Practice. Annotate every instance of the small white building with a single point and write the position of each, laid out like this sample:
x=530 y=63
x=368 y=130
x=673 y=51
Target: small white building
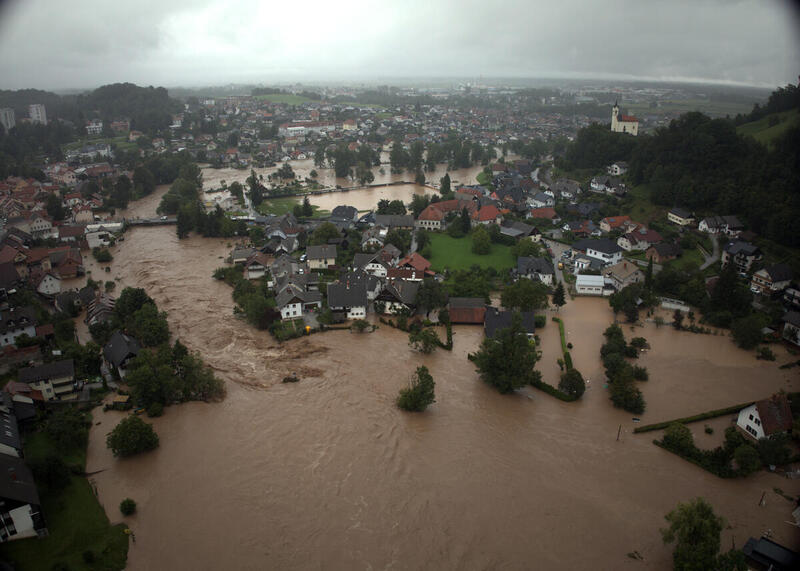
x=766 y=417
x=591 y=285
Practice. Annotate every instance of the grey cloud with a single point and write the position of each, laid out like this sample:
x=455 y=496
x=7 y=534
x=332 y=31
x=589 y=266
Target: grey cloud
x=88 y=42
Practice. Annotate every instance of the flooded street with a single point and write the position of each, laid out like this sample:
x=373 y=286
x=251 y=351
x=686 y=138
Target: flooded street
x=327 y=473
x=363 y=199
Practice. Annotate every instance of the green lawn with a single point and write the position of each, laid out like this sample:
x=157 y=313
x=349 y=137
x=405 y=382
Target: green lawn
x=637 y=205
x=120 y=141
x=284 y=98
x=762 y=132
x=456 y=254
x=76 y=523
x=687 y=260
x=284 y=205
x=712 y=108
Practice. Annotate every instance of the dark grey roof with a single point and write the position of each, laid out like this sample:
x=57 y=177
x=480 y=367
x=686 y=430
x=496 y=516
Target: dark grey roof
x=495 y=320
x=771 y=555
x=526 y=265
x=343 y=212
x=54 y=370
x=683 y=213
x=292 y=291
x=16 y=481
x=602 y=245
x=15 y=319
x=394 y=220
x=404 y=291
x=779 y=272
x=119 y=348
x=8 y=275
x=360 y=260
x=347 y=295
x=321 y=252
x=792 y=317
x=739 y=247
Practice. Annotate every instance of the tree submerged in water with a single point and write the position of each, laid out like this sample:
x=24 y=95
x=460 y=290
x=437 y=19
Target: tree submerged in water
x=419 y=393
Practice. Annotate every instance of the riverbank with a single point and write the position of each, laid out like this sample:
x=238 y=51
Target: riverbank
x=328 y=473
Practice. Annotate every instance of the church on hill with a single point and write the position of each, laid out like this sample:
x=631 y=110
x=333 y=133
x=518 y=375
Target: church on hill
x=623 y=123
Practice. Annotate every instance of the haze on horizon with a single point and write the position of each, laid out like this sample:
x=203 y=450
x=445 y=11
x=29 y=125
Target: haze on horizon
x=51 y=44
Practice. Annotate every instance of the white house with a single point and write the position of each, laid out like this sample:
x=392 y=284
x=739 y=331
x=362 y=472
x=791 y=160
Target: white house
x=591 y=285
x=536 y=269
x=350 y=298
x=20 y=510
x=604 y=250
x=48 y=284
x=16 y=322
x=55 y=380
x=320 y=257
x=766 y=417
x=256 y=267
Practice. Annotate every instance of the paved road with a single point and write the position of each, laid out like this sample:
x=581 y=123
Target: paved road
x=558 y=249
x=714 y=256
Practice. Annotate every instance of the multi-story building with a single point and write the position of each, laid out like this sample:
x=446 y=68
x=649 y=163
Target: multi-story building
x=7 y=118
x=37 y=114
x=94 y=127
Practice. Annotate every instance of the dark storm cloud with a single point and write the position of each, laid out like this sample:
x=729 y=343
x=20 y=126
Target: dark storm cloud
x=90 y=42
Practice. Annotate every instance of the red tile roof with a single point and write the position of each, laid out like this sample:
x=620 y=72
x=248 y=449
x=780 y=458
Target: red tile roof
x=548 y=213
x=775 y=414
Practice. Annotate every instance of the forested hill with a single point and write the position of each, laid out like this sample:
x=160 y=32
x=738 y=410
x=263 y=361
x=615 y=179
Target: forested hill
x=148 y=108
x=704 y=165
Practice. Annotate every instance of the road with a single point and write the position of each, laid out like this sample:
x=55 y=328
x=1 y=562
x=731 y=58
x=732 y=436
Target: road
x=558 y=249
x=714 y=256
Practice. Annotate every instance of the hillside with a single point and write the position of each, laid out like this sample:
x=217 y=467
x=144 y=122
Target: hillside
x=768 y=128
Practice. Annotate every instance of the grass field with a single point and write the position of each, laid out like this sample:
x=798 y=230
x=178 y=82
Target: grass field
x=713 y=108
x=120 y=142
x=75 y=520
x=762 y=132
x=456 y=254
x=287 y=98
x=689 y=259
x=637 y=205
x=278 y=206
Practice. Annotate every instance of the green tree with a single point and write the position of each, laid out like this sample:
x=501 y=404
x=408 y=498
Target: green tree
x=481 y=242
x=237 y=190
x=572 y=383
x=68 y=428
x=524 y=295
x=324 y=232
x=695 y=529
x=444 y=184
x=648 y=276
x=424 y=340
x=747 y=459
x=774 y=450
x=151 y=377
x=746 y=331
x=132 y=436
x=419 y=393
x=507 y=361
x=148 y=325
x=679 y=438
x=559 y=298
x=398 y=157
x=54 y=207
x=127 y=507
x=308 y=211
x=465 y=221
x=430 y=295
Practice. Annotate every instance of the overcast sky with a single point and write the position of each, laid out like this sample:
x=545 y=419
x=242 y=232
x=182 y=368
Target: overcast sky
x=86 y=43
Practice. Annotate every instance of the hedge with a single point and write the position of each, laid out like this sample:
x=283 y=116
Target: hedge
x=708 y=467
x=552 y=391
x=563 y=335
x=695 y=418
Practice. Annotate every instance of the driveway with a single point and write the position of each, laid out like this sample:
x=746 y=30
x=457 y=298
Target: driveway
x=558 y=249
x=714 y=256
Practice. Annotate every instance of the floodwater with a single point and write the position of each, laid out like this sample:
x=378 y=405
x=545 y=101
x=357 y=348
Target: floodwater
x=363 y=199
x=327 y=473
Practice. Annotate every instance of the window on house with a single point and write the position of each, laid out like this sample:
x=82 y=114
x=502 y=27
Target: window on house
x=758 y=422
x=751 y=417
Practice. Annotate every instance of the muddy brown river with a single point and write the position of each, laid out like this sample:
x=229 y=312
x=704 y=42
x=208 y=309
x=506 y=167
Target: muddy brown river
x=363 y=199
x=328 y=474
